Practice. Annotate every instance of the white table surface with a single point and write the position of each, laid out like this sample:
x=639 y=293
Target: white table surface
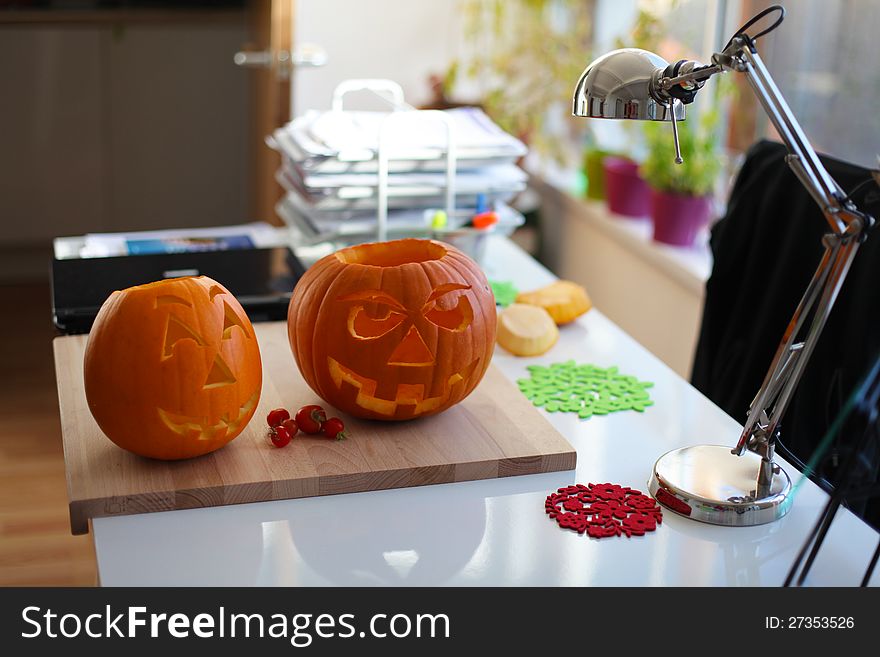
x=495 y=532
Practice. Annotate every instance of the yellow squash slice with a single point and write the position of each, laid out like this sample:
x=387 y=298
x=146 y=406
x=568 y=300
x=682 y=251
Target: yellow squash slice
x=526 y=330
x=564 y=300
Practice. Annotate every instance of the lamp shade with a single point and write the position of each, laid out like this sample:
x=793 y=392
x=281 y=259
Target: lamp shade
x=618 y=86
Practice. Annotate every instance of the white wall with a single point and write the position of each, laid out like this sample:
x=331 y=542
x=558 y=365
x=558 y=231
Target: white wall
x=403 y=40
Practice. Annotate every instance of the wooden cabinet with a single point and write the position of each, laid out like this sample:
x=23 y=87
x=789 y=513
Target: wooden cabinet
x=123 y=124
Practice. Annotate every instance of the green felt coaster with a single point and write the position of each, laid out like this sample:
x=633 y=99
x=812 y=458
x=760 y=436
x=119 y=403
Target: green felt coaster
x=584 y=389
x=505 y=292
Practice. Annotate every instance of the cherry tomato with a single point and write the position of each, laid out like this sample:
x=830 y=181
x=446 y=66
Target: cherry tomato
x=279 y=435
x=310 y=418
x=334 y=428
x=290 y=425
x=277 y=416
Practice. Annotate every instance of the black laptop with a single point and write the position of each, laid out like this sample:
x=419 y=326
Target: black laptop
x=261 y=279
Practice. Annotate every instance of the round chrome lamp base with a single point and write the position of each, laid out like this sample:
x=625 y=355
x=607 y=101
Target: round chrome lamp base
x=709 y=484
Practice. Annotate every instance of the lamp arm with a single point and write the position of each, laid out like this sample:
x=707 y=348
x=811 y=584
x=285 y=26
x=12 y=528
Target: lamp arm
x=771 y=401
x=697 y=74
x=802 y=158
x=848 y=228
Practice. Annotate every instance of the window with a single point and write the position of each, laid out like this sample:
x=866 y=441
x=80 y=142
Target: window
x=823 y=58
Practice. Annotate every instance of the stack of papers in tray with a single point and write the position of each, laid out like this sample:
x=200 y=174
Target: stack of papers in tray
x=315 y=226
x=330 y=171
x=420 y=189
x=338 y=142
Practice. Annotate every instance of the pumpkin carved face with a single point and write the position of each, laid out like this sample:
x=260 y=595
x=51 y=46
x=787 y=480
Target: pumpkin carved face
x=172 y=369
x=393 y=330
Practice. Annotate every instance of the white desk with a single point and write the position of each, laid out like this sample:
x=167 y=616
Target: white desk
x=495 y=532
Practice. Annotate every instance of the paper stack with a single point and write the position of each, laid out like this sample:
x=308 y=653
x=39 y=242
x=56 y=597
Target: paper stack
x=330 y=171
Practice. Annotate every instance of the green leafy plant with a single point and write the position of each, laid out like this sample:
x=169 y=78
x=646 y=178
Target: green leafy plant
x=699 y=141
x=647 y=31
x=526 y=56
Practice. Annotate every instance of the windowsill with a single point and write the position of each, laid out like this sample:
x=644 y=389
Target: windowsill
x=690 y=266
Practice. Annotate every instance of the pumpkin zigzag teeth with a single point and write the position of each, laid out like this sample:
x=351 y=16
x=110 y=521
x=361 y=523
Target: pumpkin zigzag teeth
x=189 y=425
x=407 y=394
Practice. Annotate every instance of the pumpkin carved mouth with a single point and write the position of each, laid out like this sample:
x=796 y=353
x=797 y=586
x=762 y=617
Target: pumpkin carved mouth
x=408 y=394
x=197 y=428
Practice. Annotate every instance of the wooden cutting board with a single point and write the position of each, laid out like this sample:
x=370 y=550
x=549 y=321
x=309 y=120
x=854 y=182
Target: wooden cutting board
x=495 y=432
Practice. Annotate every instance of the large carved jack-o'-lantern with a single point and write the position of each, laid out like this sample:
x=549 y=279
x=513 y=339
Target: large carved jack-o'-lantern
x=393 y=330
x=172 y=369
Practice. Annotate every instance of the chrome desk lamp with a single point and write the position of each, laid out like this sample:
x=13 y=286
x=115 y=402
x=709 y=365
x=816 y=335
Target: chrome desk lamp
x=712 y=483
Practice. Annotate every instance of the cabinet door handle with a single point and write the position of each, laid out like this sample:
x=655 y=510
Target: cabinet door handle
x=308 y=55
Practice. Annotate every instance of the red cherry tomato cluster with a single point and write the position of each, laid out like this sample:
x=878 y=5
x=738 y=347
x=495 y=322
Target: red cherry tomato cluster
x=309 y=419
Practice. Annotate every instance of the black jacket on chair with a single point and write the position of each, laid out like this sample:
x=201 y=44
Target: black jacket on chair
x=766 y=249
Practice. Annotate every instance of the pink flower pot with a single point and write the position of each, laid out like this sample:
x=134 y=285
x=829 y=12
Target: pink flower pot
x=627 y=193
x=677 y=218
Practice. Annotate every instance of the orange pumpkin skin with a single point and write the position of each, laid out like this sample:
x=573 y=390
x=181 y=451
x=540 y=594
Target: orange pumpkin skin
x=172 y=369
x=393 y=330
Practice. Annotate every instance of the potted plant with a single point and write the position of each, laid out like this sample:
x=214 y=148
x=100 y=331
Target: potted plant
x=625 y=189
x=681 y=194
x=594 y=172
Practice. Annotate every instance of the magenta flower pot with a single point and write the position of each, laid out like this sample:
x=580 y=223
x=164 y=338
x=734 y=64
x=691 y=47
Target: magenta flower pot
x=627 y=193
x=677 y=218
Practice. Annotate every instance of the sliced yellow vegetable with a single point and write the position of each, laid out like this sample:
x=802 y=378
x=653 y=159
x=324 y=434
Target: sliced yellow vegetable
x=526 y=330
x=564 y=300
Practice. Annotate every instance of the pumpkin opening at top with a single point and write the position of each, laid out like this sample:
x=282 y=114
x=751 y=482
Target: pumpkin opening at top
x=393 y=330
x=392 y=254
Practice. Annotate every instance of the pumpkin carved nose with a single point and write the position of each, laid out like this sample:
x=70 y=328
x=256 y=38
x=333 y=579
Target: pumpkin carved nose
x=412 y=351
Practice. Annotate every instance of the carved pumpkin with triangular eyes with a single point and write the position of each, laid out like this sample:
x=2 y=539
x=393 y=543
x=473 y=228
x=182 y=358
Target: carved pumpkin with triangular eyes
x=393 y=330
x=172 y=369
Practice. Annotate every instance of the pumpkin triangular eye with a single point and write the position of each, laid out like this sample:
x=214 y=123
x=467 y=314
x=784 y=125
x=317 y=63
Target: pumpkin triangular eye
x=220 y=374
x=230 y=320
x=177 y=330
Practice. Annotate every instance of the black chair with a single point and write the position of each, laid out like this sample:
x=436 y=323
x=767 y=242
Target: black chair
x=766 y=249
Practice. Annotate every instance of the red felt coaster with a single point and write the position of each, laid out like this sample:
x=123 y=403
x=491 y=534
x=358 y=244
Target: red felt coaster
x=603 y=510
